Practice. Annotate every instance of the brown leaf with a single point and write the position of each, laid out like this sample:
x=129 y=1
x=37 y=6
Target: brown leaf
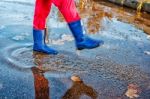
x=75 y=79
x=133 y=91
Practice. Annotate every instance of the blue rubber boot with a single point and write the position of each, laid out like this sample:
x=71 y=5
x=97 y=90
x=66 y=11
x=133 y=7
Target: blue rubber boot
x=39 y=43
x=82 y=41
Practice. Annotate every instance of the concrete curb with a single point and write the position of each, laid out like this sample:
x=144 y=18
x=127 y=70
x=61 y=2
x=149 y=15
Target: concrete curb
x=135 y=4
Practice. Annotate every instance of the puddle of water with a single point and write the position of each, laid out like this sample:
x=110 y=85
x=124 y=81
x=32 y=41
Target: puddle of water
x=100 y=70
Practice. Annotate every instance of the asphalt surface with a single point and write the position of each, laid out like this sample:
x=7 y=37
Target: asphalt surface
x=106 y=72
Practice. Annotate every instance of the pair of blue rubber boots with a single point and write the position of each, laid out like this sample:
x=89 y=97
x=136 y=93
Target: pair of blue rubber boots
x=82 y=41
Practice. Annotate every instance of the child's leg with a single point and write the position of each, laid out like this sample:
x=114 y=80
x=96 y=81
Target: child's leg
x=42 y=9
x=69 y=11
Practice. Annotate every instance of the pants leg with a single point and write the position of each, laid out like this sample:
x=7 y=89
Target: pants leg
x=68 y=9
x=42 y=9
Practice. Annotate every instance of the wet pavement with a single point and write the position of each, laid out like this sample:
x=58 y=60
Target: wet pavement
x=117 y=70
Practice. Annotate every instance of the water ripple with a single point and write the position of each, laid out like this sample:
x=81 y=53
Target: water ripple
x=22 y=58
x=12 y=55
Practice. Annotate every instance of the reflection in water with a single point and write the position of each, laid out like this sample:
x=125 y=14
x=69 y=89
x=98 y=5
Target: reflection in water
x=94 y=21
x=78 y=89
x=46 y=35
x=39 y=59
x=82 y=4
x=94 y=12
x=141 y=3
x=122 y=2
x=40 y=82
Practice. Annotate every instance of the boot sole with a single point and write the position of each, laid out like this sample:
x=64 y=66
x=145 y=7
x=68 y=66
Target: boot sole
x=45 y=52
x=81 y=48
